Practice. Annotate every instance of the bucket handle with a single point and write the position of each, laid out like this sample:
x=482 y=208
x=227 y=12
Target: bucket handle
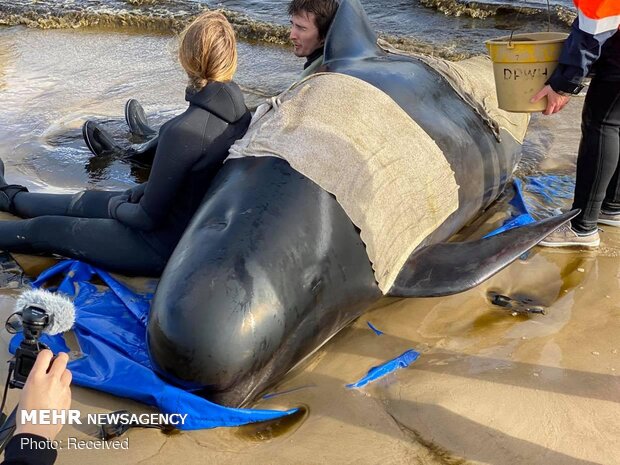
x=510 y=44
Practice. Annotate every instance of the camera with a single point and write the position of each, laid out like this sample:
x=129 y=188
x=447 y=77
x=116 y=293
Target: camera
x=37 y=311
x=34 y=320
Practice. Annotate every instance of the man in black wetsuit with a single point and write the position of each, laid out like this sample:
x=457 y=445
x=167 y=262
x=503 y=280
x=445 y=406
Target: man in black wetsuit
x=310 y=21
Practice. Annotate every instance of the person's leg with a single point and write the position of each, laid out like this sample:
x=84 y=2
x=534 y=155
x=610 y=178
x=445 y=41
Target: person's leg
x=136 y=119
x=101 y=144
x=85 y=204
x=610 y=211
x=611 y=204
x=8 y=191
x=17 y=200
x=106 y=243
x=597 y=162
x=599 y=152
x=143 y=153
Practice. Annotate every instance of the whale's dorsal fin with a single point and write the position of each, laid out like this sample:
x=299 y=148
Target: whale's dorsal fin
x=351 y=35
x=451 y=267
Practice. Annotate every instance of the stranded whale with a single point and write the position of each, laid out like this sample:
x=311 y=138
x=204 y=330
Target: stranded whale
x=284 y=253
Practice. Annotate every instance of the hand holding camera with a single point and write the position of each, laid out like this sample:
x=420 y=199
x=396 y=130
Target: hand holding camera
x=47 y=387
x=45 y=380
x=37 y=312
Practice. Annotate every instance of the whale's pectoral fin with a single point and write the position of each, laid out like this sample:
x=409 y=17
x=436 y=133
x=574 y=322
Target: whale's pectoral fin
x=452 y=267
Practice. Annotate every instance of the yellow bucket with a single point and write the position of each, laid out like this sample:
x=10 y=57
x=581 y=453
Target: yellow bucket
x=521 y=67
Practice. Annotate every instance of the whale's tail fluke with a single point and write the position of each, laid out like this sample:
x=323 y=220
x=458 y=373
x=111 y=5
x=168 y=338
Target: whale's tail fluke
x=452 y=267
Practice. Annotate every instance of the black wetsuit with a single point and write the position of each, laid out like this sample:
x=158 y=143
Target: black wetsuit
x=318 y=53
x=20 y=451
x=135 y=231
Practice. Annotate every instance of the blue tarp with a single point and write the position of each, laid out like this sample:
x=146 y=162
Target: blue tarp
x=110 y=327
x=520 y=214
x=549 y=189
x=536 y=197
x=375 y=330
x=402 y=361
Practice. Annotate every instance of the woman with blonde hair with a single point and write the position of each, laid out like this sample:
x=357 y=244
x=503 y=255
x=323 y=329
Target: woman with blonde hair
x=135 y=231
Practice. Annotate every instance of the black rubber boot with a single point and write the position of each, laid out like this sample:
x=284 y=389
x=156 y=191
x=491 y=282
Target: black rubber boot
x=8 y=192
x=101 y=144
x=99 y=141
x=136 y=119
x=143 y=153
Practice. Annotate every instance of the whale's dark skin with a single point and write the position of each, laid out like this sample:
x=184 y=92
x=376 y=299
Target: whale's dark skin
x=271 y=267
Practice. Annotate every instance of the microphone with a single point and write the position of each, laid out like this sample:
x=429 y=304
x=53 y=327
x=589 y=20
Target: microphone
x=60 y=310
x=40 y=311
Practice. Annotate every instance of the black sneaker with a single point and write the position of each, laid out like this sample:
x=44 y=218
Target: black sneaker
x=136 y=119
x=98 y=141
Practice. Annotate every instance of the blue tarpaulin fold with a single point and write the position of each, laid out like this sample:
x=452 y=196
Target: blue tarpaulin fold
x=375 y=330
x=402 y=361
x=520 y=212
x=110 y=328
x=536 y=197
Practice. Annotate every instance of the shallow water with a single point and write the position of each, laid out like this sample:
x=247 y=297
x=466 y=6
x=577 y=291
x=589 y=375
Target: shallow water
x=53 y=80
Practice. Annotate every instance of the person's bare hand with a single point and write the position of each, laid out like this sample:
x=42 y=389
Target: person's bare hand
x=45 y=389
x=555 y=101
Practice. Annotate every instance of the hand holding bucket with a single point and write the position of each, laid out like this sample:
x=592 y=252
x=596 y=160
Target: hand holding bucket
x=522 y=63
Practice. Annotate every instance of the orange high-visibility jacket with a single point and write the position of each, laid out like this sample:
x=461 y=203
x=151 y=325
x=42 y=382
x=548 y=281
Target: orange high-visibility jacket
x=596 y=16
x=593 y=45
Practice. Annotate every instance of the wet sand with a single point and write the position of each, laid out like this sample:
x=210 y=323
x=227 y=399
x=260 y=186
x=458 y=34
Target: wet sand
x=489 y=387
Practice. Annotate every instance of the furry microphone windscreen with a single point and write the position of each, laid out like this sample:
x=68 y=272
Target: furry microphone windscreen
x=60 y=309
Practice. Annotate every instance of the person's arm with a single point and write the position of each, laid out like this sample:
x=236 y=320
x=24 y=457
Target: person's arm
x=177 y=151
x=136 y=193
x=21 y=450
x=47 y=387
x=580 y=51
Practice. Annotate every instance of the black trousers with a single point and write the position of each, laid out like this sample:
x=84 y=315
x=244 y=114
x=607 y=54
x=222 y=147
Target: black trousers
x=598 y=182
x=78 y=226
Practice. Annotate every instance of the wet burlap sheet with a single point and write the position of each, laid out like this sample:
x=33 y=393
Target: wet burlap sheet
x=355 y=142
x=473 y=80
